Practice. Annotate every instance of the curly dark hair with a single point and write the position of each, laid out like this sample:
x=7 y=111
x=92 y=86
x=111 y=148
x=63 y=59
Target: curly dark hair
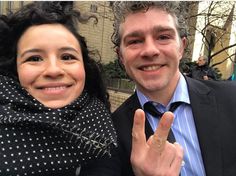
x=123 y=8
x=13 y=25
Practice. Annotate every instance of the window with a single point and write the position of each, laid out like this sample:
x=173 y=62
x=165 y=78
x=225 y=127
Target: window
x=10 y=5
x=1 y=8
x=93 y=8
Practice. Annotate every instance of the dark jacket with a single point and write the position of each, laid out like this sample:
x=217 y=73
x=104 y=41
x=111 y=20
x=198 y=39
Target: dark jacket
x=213 y=105
x=199 y=72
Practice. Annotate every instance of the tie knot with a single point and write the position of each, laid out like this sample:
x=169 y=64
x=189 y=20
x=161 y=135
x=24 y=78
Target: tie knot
x=151 y=109
x=175 y=105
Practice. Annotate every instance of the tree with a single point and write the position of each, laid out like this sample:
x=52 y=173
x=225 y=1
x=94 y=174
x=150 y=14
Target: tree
x=114 y=70
x=215 y=28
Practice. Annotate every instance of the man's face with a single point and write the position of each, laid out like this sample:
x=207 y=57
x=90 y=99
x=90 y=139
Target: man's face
x=150 y=50
x=201 y=61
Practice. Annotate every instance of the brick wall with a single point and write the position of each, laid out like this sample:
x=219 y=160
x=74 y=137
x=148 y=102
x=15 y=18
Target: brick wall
x=98 y=36
x=117 y=98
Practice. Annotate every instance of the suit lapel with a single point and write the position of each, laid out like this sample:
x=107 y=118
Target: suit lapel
x=204 y=107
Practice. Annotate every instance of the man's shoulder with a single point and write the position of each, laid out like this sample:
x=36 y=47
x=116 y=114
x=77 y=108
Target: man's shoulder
x=226 y=87
x=216 y=86
x=126 y=105
x=195 y=67
x=122 y=117
x=221 y=85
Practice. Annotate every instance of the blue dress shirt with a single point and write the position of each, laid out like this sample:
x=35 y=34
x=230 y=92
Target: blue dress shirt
x=183 y=128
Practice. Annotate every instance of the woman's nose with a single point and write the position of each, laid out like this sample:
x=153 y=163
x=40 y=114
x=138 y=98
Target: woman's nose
x=53 y=68
x=150 y=48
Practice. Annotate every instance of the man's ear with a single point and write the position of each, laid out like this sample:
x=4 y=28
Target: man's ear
x=184 y=43
x=120 y=58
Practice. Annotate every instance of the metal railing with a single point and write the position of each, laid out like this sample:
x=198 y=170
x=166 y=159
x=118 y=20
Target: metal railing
x=122 y=85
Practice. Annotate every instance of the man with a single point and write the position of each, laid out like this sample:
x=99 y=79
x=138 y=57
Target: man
x=150 y=41
x=202 y=70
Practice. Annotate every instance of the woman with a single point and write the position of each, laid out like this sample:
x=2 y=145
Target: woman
x=53 y=105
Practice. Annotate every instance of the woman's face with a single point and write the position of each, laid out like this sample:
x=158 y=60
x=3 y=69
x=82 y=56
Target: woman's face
x=50 y=64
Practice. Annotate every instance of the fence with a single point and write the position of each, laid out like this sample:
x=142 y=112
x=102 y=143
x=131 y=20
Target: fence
x=119 y=90
x=121 y=85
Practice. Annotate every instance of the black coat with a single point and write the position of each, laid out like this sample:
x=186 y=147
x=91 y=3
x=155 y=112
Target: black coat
x=199 y=72
x=213 y=105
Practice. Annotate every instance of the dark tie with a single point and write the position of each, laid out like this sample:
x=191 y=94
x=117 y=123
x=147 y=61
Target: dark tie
x=150 y=108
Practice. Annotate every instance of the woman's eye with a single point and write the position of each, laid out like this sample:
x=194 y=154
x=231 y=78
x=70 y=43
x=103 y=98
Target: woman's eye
x=68 y=57
x=34 y=59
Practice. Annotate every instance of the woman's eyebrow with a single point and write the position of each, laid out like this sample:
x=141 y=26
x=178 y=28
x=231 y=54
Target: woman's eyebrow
x=40 y=50
x=31 y=51
x=69 y=49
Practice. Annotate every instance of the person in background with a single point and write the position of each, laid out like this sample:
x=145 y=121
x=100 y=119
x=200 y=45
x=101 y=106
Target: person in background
x=54 y=107
x=202 y=70
x=150 y=38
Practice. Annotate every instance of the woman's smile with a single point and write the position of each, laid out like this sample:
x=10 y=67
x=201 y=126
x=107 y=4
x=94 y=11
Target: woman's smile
x=53 y=73
x=52 y=90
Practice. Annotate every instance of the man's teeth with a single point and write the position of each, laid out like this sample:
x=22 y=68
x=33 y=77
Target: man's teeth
x=150 y=68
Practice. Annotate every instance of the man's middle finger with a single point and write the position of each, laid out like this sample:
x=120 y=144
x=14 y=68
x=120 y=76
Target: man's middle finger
x=159 y=138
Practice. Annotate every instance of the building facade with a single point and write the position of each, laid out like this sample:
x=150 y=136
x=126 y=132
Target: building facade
x=98 y=35
x=10 y=5
x=217 y=30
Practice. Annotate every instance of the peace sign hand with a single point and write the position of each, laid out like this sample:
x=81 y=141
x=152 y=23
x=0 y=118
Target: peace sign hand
x=156 y=156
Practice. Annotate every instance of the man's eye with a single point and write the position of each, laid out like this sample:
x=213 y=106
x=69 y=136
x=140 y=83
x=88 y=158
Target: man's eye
x=34 y=59
x=164 y=37
x=68 y=57
x=131 y=42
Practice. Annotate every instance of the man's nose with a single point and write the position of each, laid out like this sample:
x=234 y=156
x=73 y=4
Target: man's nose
x=150 y=48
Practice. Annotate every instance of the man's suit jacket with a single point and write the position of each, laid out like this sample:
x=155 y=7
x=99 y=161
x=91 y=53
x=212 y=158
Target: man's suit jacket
x=214 y=109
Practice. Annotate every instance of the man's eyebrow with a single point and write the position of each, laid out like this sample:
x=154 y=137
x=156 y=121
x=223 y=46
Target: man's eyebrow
x=133 y=34
x=156 y=29
x=163 y=29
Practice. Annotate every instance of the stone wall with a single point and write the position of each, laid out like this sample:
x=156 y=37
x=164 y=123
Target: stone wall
x=117 y=98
